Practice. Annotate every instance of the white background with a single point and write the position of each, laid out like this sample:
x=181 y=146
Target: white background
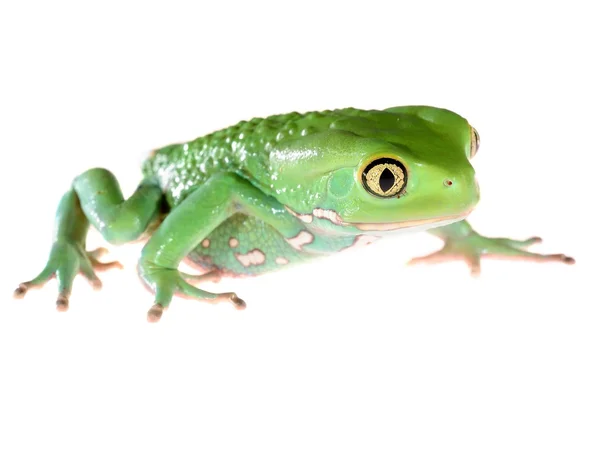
x=354 y=351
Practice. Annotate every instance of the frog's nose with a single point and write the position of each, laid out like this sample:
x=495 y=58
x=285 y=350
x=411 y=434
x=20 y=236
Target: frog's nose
x=449 y=182
x=464 y=187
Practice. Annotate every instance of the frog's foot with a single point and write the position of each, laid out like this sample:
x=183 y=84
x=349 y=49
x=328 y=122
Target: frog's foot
x=66 y=261
x=474 y=246
x=167 y=282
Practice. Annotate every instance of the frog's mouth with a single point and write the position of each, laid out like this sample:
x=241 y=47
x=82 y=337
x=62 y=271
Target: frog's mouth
x=334 y=217
x=438 y=221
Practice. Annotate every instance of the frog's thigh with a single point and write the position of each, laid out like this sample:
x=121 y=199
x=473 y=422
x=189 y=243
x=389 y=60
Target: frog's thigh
x=117 y=219
x=191 y=222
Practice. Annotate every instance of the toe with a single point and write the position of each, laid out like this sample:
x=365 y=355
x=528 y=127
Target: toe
x=155 y=313
x=96 y=283
x=104 y=266
x=532 y=241
x=474 y=263
x=20 y=291
x=238 y=302
x=568 y=260
x=62 y=303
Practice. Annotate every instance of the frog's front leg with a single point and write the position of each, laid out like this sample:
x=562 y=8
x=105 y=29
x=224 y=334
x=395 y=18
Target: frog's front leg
x=193 y=220
x=462 y=242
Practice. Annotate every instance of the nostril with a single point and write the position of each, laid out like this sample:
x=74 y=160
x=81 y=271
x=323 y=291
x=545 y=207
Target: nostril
x=448 y=182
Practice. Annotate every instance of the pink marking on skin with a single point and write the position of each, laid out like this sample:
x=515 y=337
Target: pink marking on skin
x=254 y=257
x=281 y=261
x=205 y=243
x=303 y=238
x=233 y=242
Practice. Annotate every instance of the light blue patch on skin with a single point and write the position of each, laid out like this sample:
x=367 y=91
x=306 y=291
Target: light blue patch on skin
x=341 y=182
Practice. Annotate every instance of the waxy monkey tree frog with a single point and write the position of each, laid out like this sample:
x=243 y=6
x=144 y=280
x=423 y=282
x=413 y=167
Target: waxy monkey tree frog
x=270 y=192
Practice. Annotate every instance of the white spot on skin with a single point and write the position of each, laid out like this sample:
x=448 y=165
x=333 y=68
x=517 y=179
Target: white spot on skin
x=205 y=243
x=281 y=261
x=233 y=242
x=364 y=240
x=306 y=218
x=303 y=238
x=330 y=215
x=254 y=257
x=360 y=241
x=325 y=214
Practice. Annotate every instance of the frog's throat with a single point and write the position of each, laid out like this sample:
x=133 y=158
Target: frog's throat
x=336 y=219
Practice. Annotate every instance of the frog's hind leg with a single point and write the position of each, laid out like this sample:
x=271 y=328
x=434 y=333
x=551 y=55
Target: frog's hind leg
x=95 y=198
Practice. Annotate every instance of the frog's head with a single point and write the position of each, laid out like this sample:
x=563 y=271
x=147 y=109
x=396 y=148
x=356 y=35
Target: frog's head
x=405 y=167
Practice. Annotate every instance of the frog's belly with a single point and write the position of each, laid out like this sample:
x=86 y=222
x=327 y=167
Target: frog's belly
x=245 y=245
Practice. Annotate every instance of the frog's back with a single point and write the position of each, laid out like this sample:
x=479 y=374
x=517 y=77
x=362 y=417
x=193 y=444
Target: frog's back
x=244 y=148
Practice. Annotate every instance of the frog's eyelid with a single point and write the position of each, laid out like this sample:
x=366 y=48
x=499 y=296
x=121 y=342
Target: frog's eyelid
x=475 y=142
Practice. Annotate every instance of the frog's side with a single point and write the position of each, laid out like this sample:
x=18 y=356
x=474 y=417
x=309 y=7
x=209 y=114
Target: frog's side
x=244 y=244
x=266 y=193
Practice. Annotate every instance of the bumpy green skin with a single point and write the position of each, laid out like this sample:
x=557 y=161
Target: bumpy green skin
x=264 y=194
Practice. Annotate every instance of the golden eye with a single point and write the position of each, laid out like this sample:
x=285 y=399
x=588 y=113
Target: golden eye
x=384 y=177
x=474 y=142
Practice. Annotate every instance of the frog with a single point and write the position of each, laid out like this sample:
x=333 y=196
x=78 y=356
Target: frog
x=269 y=193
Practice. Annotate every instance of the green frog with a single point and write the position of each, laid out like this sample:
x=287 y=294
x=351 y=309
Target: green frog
x=271 y=192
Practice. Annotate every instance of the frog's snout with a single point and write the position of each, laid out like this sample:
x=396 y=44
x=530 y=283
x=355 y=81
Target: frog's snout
x=464 y=189
x=459 y=191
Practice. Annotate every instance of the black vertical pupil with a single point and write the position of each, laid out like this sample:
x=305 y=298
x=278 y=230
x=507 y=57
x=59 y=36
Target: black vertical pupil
x=386 y=180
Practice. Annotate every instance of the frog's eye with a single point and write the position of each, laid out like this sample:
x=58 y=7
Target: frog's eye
x=384 y=177
x=474 y=142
